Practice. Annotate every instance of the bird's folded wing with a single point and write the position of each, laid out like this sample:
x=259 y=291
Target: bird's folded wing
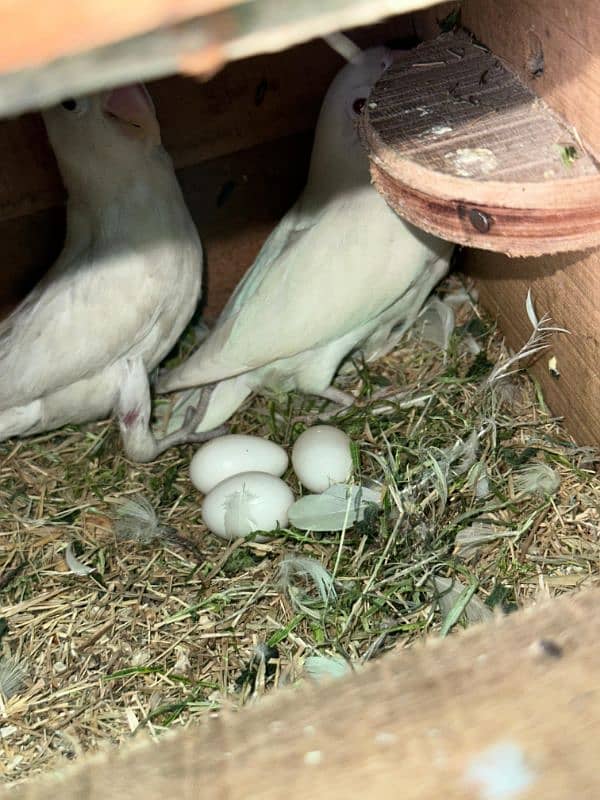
x=78 y=321
x=281 y=237
x=321 y=286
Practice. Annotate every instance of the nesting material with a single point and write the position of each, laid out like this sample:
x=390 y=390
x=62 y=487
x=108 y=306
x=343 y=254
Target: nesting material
x=161 y=632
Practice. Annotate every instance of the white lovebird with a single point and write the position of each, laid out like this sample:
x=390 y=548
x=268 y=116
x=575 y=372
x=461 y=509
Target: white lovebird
x=340 y=272
x=125 y=285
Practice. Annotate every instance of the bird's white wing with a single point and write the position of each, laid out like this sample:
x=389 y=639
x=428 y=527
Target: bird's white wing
x=82 y=317
x=327 y=280
x=290 y=227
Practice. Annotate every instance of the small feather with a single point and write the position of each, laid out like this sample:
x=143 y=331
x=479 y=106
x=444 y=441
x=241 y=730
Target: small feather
x=470 y=448
x=137 y=520
x=471 y=345
x=531 y=310
x=537 y=343
x=440 y=479
x=537 y=479
x=182 y=665
x=183 y=401
x=238 y=517
x=478 y=480
x=436 y=323
x=482 y=487
x=479 y=533
x=459 y=297
x=75 y=566
x=12 y=677
x=292 y=568
x=322 y=668
x=455 y=600
x=337 y=508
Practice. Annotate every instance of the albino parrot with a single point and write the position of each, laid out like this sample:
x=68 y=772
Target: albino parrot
x=340 y=272
x=123 y=288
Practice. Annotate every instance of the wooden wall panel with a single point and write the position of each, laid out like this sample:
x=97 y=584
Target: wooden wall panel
x=236 y=201
x=567 y=287
x=248 y=103
x=260 y=111
x=35 y=33
x=567 y=34
x=258 y=100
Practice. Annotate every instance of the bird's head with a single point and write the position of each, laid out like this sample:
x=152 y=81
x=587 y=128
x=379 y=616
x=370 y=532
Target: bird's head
x=104 y=137
x=337 y=150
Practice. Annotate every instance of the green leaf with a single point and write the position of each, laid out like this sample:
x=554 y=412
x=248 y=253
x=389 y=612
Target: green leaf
x=337 y=508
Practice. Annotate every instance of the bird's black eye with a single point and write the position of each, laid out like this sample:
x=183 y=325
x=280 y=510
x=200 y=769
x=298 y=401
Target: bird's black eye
x=358 y=105
x=70 y=105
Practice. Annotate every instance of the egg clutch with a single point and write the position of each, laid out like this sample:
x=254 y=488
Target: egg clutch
x=240 y=477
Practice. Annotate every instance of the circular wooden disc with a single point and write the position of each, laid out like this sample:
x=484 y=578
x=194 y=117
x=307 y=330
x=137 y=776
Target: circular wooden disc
x=460 y=147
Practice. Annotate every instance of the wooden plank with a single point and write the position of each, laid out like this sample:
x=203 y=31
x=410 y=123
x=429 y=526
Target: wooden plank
x=566 y=34
x=274 y=98
x=567 y=287
x=236 y=201
x=30 y=245
x=461 y=147
x=53 y=53
x=508 y=710
x=259 y=100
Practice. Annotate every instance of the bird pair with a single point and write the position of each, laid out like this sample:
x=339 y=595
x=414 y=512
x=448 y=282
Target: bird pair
x=341 y=272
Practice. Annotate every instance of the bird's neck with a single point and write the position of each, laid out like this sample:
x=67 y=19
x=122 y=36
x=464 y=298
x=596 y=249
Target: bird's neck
x=335 y=168
x=148 y=204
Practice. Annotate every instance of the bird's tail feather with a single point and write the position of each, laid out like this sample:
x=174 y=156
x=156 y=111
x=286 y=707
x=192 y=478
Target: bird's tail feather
x=20 y=420
x=225 y=399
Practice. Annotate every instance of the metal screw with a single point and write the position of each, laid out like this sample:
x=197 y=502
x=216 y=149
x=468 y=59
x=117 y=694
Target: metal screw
x=480 y=221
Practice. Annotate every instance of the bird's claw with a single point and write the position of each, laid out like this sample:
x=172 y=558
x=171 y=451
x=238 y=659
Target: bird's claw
x=205 y=436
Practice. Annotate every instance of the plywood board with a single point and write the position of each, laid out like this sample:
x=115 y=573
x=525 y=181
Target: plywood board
x=258 y=100
x=247 y=106
x=67 y=48
x=555 y=48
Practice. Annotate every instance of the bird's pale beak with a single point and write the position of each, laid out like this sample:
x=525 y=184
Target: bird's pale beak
x=133 y=107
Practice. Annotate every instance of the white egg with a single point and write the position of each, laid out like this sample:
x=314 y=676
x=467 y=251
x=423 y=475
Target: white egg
x=321 y=457
x=229 y=455
x=242 y=504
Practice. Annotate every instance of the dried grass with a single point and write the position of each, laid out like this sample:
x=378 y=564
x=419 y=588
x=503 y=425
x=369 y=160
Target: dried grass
x=155 y=637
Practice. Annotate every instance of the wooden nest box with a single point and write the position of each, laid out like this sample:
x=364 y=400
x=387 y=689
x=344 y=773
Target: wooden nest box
x=489 y=138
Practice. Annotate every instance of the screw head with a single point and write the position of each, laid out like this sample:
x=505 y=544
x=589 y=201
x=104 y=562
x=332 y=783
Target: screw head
x=480 y=221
